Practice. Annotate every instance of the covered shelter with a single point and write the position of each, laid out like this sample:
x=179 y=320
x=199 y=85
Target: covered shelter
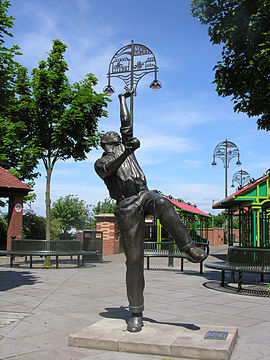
x=15 y=190
x=252 y=204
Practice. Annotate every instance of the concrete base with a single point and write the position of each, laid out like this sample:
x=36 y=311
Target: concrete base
x=157 y=339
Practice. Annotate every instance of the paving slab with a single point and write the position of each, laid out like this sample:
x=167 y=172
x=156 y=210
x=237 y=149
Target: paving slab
x=90 y=294
x=158 y=339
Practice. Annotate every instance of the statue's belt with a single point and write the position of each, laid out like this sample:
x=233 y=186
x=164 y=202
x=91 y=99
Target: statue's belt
x=127 y=200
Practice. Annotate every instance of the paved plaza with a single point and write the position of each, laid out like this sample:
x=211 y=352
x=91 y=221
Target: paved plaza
x=40 y=308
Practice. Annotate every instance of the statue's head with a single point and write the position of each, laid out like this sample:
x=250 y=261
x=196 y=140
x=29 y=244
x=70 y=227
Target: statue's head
x=109 y=140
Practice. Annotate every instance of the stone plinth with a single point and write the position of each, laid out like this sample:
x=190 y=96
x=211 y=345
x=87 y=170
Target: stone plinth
x=157 y=339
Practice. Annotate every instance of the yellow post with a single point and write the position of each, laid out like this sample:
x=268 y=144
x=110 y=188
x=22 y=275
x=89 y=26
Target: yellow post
x=158 y=235
x=258 y=227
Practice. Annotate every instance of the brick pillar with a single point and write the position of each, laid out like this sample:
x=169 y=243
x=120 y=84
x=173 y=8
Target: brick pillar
x=111 y=236
x=15 y=217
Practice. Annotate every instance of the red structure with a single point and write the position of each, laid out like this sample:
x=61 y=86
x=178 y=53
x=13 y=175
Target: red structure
x=13 y=189
x=111 y=234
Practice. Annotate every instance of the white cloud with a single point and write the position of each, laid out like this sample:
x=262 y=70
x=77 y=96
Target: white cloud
x=165 y=143
x=191 y=163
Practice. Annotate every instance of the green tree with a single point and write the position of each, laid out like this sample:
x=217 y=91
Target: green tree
x=71 y=212
x=107 y=206
x=243 y=28
x=3 y=230
x=60 y=119
x=219 y=220
x=56 y=229
x=66 y=116
x=34 y=226
x=16 y=151
x=8 y=66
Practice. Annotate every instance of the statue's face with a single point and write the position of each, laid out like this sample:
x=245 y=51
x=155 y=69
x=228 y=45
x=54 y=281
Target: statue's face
x=113 y=139
x=110 y=140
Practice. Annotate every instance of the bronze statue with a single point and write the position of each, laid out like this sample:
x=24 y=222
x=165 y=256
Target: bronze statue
x=126 y=182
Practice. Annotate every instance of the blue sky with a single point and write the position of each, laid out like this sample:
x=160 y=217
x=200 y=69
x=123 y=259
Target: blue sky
x=178 y=126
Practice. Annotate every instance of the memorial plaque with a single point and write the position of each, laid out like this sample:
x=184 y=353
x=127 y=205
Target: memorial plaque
x=216 y=335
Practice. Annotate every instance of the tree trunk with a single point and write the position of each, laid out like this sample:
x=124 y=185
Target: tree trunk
x=48 y=202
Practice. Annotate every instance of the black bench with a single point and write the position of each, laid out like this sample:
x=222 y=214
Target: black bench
x=169 y=250
x=27 y=247
x=243 y=260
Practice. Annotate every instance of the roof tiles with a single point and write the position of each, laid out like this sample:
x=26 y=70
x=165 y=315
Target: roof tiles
x=9 y=181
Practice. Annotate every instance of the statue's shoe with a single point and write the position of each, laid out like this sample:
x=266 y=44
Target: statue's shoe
x=135 y=323
x=196 y=255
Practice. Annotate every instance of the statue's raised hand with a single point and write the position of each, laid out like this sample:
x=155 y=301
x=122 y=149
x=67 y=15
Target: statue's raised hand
x=128 y=92
x=132 y=145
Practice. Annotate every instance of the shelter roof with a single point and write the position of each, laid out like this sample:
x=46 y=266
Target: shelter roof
x=254 y=192
x=9 y=183
x=189 y=208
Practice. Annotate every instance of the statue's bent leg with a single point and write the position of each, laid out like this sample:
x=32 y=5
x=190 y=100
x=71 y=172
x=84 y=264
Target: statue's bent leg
x=132 y=230
x=169 y=219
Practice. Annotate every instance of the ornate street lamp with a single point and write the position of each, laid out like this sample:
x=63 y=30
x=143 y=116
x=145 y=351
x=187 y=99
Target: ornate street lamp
x=226 y=151
x=130 y=64
x=242 y=177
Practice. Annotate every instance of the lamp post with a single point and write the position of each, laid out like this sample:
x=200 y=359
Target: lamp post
x=242 y=177
x=226 y=151
x=130 y=64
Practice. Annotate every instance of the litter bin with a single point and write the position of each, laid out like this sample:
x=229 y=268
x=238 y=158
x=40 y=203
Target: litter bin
x=92 y=241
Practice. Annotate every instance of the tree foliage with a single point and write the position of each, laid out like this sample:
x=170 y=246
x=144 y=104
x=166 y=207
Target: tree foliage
x=107 y=206
x=65 y=118
x=45 y=117
x=49 y=119
x=71 y=212
x=219 y=220
x=8 y=66
x=67 y=114
x=16 y=150
x=3 y=230
x=33 y=226
x=243 y=28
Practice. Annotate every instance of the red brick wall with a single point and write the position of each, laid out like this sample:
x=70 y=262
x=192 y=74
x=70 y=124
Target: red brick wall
x=15 y=219
x=216 y=236
x=111 y=235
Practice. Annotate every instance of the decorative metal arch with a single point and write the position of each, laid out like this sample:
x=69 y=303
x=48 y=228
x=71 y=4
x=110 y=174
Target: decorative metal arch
x=226 y=150
x=242 y=177
x=131 y=63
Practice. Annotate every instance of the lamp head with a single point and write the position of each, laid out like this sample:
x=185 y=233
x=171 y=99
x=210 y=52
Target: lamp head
x=155 y=85
x=109 y=90
x=214 y=163
x=238 y=163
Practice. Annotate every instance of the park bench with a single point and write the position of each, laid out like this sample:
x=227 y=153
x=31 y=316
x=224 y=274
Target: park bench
x=169 y=249
x=243 y=260
x=55 y=248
